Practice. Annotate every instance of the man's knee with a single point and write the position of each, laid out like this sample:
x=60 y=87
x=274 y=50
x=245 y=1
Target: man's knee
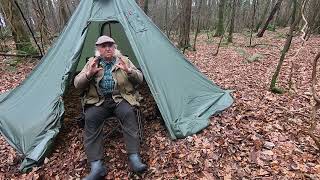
x=89 y=116
x=125 y=110
x=92 y=118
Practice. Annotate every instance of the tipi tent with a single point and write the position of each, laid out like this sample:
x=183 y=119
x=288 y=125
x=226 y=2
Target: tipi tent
x=30 y=115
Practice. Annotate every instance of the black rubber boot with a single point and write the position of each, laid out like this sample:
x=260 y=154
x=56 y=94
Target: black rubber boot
x=98 y=171
x=135 y=163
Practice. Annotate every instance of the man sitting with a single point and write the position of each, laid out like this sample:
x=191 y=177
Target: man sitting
x=109 y=82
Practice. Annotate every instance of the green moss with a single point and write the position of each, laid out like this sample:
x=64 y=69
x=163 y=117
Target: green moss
x=246 y=33
x=271 y=27
x=28 y=49
x=281 y=36
x=277 y=90
x=209 y=41
x=11 y=68
x=242 y=52
x=255 y=57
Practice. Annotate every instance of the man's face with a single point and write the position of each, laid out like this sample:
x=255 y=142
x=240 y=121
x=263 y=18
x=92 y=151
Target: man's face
x=106 y=49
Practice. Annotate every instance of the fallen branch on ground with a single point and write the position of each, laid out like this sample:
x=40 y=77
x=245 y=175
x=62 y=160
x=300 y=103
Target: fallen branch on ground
x=261 y=44
x=20 y=55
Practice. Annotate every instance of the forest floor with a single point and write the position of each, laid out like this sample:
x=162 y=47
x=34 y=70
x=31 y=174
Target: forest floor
x=258 y=137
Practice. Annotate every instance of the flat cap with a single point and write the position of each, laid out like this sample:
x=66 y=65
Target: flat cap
x=104 y=39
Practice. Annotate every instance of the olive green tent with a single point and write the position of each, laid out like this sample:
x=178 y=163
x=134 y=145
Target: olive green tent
x=31 y=114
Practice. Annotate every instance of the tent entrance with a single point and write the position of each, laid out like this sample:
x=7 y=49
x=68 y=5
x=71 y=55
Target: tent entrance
x=113 y=29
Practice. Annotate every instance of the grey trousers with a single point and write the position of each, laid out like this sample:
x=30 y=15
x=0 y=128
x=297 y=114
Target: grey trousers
x=93 y=129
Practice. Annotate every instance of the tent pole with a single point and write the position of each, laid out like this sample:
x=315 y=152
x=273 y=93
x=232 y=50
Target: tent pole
x=25 y=20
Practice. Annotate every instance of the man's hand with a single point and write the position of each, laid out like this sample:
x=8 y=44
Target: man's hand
x=122 y=65
x=93 y=68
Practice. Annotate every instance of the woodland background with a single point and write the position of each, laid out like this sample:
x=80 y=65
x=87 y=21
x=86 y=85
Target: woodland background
x=264 y=50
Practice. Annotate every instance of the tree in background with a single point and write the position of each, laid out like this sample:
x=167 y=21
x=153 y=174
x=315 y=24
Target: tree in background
x=221 y=9
x=198 y=25
x=42 y=26
x=313 y=17
x=19 y=31
x=252 y=21
x=273 y=12
x=294 y=23
x=64 y=13
x=53 y=20
x=185 y=22
x=231 y=29
x=144 y=4
x=263 y=15
x=47 y=18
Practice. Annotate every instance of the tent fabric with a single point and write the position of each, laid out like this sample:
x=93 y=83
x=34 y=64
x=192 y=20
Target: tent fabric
x=31 y=114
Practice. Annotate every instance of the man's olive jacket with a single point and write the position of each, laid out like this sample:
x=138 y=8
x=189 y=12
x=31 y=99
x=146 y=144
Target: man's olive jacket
x=125 y=83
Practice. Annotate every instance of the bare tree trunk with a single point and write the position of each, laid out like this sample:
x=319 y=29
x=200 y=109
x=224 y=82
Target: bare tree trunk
x=166 y=18
x=3 y=46
x=293 y=64
x=28 y=12
x=63 y=13
x=316 y=107
x=68 y=9
x=51 y=10
x=286 y=47
x=221 y=37
x=17 y=25
x=208 y=14
x=146 y=7
x=273 y=12
x=314 y=19
x=263 y=15
x=252 y=23
x=220 y=27
x=184 y=39
x=198 y=24
x=231 y=29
